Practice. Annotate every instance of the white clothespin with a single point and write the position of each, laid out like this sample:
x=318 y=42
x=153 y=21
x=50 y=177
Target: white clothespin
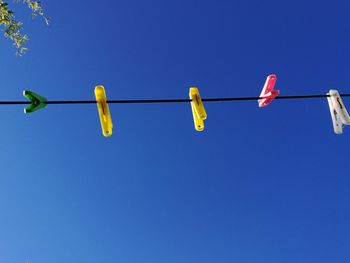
x=340 y=115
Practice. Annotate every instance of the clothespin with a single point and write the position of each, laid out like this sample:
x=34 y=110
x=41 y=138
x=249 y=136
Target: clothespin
x=268 y=94
x=339 y=114
x=198 y=110
x=38 y=102
x=103 y=111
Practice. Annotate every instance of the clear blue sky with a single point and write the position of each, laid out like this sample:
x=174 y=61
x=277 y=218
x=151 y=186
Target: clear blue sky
x=258 y=185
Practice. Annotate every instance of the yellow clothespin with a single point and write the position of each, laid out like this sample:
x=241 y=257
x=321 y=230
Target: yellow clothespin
x=103 y=111
x=198 y=111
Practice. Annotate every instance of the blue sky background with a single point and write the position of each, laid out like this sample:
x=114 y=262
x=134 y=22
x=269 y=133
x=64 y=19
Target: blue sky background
x=258 y=185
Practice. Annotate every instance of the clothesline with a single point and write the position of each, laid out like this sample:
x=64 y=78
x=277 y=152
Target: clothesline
x=337 y=108
x=132 y=101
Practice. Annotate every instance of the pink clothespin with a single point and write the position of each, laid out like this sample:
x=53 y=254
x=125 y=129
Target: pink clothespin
x=268 y=94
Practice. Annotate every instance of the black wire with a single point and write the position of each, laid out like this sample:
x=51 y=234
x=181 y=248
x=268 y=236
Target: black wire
x=170 y=100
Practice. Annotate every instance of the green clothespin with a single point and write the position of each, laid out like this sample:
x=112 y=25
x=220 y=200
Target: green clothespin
x=38 y=102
